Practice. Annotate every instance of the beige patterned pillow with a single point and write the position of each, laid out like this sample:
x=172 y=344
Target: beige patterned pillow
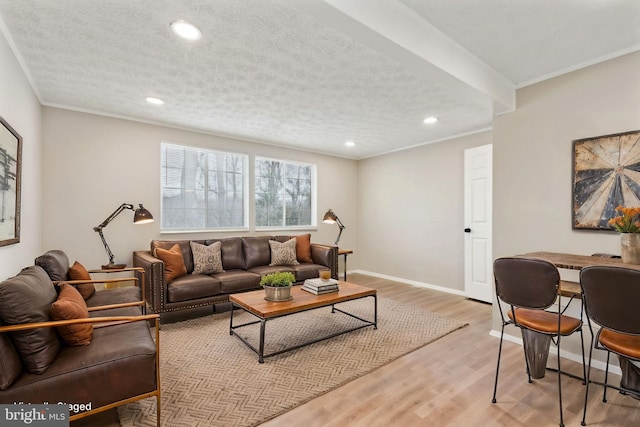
x=207 y=259
x=283 y=253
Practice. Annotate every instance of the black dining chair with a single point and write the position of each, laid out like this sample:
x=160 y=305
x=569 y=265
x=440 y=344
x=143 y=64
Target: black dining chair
x=529 y=287
x=610 y=296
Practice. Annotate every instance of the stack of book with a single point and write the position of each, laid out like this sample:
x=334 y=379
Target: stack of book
x=320 y=286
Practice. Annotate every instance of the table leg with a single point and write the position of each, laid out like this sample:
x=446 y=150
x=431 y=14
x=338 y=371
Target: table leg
x=261 y=352
x=345 y=267
x=375 y=311
x=536 y=349
x=231 y=321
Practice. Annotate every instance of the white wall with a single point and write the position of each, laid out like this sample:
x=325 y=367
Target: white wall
x=92 y=164
x=19 y=106
x=533 y=158
x=411 y=213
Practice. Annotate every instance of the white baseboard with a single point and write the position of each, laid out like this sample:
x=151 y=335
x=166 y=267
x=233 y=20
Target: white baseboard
x=598 y=364
x=410 y=282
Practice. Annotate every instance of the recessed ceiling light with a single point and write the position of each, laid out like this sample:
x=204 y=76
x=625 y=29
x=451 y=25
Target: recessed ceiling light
x=430 y=120
x=185 y=30
x=154 y=101
x=350 y=144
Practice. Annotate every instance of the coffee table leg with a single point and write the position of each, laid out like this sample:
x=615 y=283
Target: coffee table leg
x=231 y=321
x=261 y=353
x=375 y=311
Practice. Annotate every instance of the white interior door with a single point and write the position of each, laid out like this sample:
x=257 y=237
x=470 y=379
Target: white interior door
x=478 y=270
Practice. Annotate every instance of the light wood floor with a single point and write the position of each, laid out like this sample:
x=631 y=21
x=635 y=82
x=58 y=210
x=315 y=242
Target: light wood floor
x=450 y=382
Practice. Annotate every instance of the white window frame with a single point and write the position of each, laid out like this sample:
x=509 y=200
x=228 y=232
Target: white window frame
x=245 y=188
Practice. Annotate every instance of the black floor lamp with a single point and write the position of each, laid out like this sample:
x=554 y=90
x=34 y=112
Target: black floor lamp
x=331 y=218
x=140 y=216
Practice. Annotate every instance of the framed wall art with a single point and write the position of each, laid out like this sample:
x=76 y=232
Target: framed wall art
x=606 y=174
x=10 y=174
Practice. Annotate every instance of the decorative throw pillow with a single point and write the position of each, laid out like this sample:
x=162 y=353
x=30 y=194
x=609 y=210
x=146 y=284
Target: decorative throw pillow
x=283 y=253
x=78 y=272
x=207 y=259
x=70 y=305
x=27 y=298
x=303 y=248
x=173 y=262
x=10 y=365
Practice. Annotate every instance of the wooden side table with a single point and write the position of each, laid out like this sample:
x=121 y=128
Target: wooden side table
x=346 y=253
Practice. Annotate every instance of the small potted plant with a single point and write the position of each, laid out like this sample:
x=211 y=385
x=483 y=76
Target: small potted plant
x=277 y=286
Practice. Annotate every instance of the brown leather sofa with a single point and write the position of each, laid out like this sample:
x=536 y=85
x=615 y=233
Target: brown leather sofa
x=244 y=260
x=119 y=365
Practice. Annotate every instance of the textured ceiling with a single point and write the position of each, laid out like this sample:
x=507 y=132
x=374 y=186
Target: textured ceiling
x=311 y=74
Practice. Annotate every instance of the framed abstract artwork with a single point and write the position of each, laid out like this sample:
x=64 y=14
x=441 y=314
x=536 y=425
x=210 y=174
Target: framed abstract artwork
x=606 y=174
x=10 y=169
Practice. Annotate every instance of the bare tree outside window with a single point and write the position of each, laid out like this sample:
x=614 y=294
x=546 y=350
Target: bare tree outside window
x=202 y=189
x=283 y=193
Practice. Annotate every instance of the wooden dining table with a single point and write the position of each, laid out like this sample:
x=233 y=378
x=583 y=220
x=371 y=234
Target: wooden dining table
x=576 y=262
x=538 y=342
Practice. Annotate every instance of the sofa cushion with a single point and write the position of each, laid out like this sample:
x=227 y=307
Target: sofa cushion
x=232 y=281
x=56 y=264
x=307 y=271
x=266 y=269
x=232 y=256
x=27 y=298
x=303 y=248
x=10 y=364
x=70 y=305
x=283 y=253
x=256 y=251
x=207 y=259
x=173 y=262
x=192 y=286
x=78 y=272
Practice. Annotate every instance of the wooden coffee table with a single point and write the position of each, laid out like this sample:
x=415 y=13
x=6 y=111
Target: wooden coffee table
x=255 y=304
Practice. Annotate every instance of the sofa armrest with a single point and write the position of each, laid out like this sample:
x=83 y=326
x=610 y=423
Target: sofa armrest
x=95 y=320
x=326 y=255
x=138 y=279
x=154 y=285
x=120 y=305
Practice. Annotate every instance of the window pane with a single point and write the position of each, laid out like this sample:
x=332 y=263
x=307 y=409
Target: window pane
x=202 y=189
x=283 y=193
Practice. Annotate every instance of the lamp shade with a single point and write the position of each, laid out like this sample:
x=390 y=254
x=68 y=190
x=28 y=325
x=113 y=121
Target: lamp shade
x=329 y=217
x=142 y=216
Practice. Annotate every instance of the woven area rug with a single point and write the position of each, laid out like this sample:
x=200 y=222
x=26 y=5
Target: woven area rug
x=209 y=378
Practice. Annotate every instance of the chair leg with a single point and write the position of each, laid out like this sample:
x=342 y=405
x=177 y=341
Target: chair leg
x=559 y=384
x=584 y=365
x=586 y=391
x=606 y=378
x=526 y=360
x=495 y=385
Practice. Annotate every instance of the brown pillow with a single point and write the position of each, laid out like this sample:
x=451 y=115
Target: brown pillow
x=303 y=248
x=27 y=298
x=10 y=365
x=173 y=262
x=70 y=305
x=78 y=272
